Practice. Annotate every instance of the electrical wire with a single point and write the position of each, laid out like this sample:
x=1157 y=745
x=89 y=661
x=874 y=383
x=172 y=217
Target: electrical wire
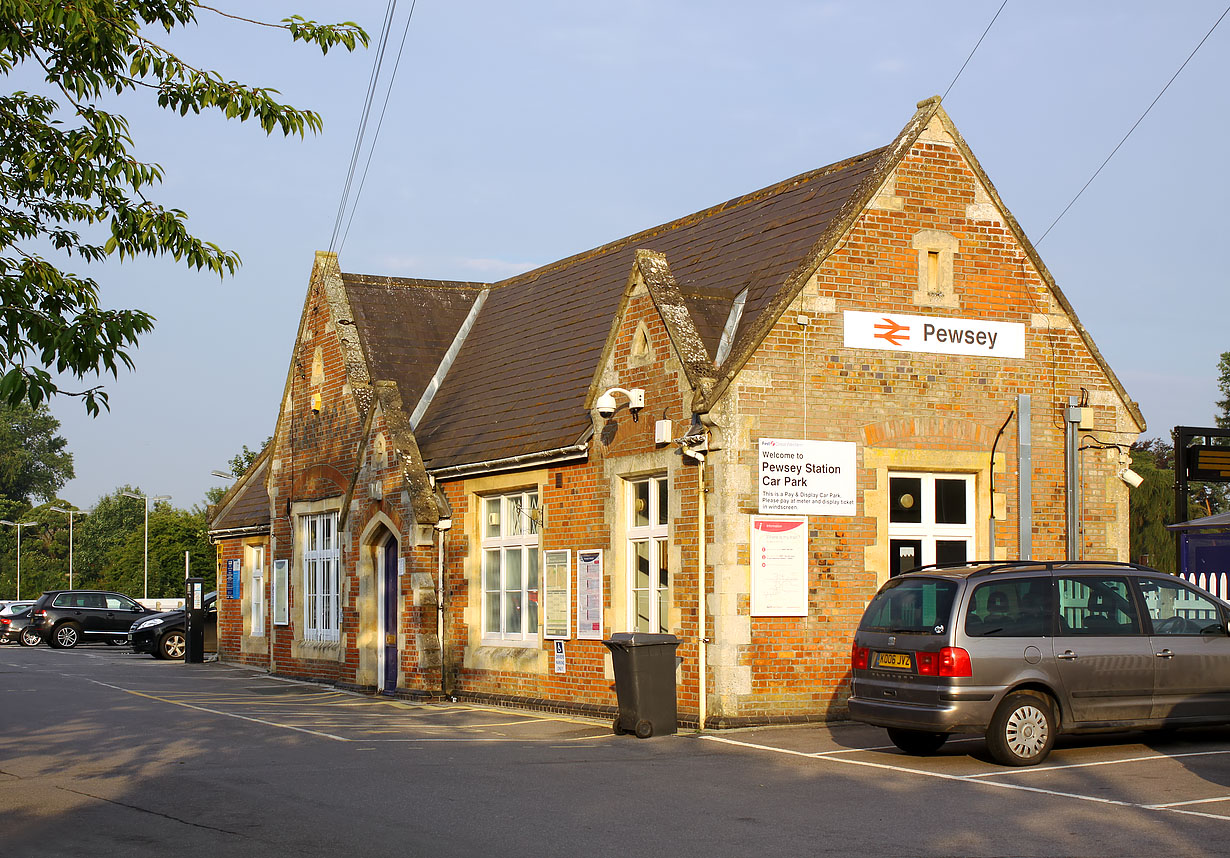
x=971 y=53
x=379 y=124
x=386 y=27
x=1133 y=128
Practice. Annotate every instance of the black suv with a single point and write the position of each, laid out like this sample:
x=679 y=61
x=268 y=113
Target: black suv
x=65 y=618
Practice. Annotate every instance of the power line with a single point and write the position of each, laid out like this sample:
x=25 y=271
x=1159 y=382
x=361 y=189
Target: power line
x=971 y=53
x=379 y=123
x=367 y=107
x=1133 y=128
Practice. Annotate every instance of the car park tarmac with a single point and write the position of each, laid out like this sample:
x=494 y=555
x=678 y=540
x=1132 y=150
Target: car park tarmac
x=113 y=753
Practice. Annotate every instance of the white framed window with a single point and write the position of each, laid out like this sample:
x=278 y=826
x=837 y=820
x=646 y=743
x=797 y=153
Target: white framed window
x=256 y=613
x=321 y=555
x=279 y=592
x=510 y=566
x=930 y=519
x=648 y=531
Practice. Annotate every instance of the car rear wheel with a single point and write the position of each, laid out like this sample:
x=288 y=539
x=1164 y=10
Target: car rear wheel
x=65 y=636
x=29 y=637
x=172 y=645
x=1022 y=732
x=917 y=742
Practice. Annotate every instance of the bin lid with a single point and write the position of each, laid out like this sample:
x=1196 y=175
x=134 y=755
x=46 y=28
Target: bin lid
x=641 y=639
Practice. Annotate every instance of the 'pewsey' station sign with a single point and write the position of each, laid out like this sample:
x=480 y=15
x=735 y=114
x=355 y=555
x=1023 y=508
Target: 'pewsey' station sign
x=934 y=334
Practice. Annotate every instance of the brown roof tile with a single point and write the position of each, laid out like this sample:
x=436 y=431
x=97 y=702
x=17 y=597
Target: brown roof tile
x=519 y=383
x=407 y=325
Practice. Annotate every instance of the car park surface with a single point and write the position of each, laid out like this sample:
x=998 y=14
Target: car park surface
x=1023 y=651
x=106 y=752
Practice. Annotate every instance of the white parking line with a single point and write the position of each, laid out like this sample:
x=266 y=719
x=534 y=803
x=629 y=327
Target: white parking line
x=1032 y=769
x=972 y=779
x=359 y=728
x=1193 y=801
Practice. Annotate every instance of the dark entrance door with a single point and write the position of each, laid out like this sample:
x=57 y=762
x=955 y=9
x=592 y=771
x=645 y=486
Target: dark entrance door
x=390 y=615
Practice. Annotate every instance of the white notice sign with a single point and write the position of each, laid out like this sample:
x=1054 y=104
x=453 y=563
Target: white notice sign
x=807 y=477
x=779 y=566
x=941 y=335
x=589 y=594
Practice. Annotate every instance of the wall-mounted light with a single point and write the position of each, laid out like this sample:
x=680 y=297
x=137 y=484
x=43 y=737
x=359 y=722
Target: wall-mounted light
x=606 y=404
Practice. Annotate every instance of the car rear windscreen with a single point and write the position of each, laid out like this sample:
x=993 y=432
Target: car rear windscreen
x=911 y=605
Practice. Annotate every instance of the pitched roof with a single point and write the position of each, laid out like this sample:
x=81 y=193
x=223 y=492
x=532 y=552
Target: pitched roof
x=245 y=507
x=518 y=383
x=407 y=325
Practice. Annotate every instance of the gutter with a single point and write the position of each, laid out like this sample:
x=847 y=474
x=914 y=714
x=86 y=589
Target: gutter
x=511 y=462
x=570 y=453
x=216 y=536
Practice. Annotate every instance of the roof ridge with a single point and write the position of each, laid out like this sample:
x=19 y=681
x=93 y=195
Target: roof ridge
x=689 y=219
x=389 y=280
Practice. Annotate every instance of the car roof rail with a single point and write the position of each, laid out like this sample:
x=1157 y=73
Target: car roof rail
x=979 y=568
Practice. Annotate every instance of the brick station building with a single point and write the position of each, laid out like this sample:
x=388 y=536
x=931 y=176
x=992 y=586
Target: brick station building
x=852 y=372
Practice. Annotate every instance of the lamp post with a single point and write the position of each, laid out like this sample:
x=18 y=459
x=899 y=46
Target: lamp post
x=70 y=513
x=19 y=525
x=146 y=499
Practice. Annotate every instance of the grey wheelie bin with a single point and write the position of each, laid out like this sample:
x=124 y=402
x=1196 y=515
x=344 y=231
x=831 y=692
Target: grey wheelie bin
x=644 y=666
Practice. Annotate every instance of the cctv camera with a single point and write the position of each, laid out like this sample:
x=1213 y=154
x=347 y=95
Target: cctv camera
x=1132 y=478
x=606 y=405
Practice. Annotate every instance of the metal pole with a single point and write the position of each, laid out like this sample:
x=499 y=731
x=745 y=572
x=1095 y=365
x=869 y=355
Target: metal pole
x=19 y=562
x=70 y=551
x=146 y=548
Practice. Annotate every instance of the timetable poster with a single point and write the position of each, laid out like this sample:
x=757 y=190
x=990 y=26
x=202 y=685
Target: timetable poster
x=589 y=595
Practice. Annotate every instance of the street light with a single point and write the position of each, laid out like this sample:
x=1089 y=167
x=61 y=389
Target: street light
x=19 y=525
x=146 y=499
x=70 y=513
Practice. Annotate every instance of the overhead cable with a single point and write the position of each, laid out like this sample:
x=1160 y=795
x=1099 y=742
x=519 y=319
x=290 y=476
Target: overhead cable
x=1133 y=128
x=380 y=122
x=971 y=53
x=367 y=107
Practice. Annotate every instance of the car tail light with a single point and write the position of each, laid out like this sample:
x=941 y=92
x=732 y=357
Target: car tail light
x=4 y=621
x=950 y=661
x=858 y=657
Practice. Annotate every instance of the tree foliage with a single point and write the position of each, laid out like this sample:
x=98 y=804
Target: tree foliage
x=34 y=459
x=1151 y=505
x=1223 y=387
x=108 y=547
x=69 y=180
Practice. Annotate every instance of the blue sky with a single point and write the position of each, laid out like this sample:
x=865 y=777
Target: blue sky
x=517 y=134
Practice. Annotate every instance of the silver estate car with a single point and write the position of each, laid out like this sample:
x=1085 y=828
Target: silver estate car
x=1023 y=651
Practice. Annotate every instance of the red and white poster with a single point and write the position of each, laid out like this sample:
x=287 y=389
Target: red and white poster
x=779 y=566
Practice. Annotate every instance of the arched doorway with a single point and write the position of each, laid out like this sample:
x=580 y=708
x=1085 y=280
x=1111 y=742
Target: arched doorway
x=388 y=600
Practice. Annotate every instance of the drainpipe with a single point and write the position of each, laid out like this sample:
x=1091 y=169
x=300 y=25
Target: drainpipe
x=1072 y=477
x=443 y=537
x=991 y=526
x=695 y=447
x=702 y=639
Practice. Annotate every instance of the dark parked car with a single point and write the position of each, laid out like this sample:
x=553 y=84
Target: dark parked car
x=65 y=618
x=1021 y=652
x=15 y=627
x=164 y=635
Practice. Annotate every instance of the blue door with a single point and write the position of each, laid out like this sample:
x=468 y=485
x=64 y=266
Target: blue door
x=390 y=615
